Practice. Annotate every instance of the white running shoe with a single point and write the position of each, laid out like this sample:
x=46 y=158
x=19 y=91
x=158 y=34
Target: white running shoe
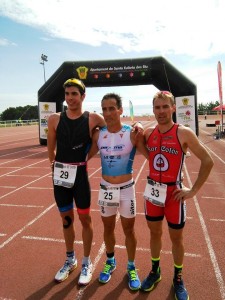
x=64 y=272
x=86 y=274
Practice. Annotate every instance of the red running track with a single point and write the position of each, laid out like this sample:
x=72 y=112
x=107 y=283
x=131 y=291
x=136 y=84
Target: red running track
x=31 y=240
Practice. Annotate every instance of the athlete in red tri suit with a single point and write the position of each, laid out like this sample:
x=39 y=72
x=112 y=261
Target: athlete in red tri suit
x=164 y=194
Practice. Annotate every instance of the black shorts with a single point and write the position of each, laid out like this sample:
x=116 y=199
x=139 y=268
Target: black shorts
x=80 y=192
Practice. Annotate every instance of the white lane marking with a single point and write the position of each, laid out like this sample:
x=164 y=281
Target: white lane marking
x=23 y=186
x=20 y=205
x=11 y=160
x=39 y=238
x=101 y=250
x=26 y=226
x=208 y=242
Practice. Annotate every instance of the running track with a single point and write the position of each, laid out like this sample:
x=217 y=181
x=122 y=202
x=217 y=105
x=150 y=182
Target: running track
x=31 y=241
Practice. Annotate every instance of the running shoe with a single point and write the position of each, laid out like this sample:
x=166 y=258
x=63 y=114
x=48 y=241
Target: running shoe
x=86 y=274
x=134 y=281
x=64 y=272
x=149 y=282
x=179 y=289
x=109 y=267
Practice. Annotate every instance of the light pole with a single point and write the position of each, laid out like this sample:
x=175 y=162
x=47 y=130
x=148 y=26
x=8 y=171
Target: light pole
x=44 y=58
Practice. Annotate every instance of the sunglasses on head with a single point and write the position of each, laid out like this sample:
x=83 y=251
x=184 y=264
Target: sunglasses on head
x=72 y=81
x=166 y=93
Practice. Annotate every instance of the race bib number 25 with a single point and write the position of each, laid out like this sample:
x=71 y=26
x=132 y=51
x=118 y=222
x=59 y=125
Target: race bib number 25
x=109 y=196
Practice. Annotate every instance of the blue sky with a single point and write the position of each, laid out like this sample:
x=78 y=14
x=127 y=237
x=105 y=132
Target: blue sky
x=189 y=34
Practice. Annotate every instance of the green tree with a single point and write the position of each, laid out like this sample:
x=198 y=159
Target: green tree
x=27 y=112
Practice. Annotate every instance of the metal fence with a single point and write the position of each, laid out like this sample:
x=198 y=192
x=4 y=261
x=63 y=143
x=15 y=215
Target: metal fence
x=13 y=123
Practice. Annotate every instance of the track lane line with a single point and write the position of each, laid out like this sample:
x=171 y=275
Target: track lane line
x=211 y=251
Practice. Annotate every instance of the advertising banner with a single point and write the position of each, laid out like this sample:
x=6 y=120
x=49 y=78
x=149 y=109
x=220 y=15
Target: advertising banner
x=185 y=111
x=45 y=110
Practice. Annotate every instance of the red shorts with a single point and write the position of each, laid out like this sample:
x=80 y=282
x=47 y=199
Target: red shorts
x=174 y=211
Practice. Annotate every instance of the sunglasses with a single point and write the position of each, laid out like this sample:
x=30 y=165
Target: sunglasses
x=166 y=93
x=75 y=81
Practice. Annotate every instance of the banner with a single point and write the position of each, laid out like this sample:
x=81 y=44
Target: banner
x=185 y=111
x=45 y=110
x=131 y=111
x=219 y=71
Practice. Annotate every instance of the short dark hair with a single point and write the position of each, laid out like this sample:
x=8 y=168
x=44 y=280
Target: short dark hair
x=75 y=82
x=114 y=96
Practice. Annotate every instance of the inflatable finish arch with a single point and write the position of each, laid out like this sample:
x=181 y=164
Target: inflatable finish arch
x=125 y=72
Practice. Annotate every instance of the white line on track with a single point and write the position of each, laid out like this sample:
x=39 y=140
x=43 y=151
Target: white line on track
x=211 y=251
x=20 y=205
x=162 y=251
x=23 y=186
x=218 y=198
x=38 y=238
x=11 y=160
x=26 y=226
x=3 y=175
x=214 y=154
x=16 y=152
x=101 y=250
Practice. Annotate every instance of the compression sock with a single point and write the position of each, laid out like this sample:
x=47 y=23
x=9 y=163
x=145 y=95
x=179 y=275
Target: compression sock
x=155 y=264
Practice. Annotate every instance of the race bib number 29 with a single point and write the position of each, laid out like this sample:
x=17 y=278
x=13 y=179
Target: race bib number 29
x=64 y=174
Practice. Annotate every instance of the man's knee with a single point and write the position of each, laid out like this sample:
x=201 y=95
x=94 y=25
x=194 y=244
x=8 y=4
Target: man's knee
x=67 y=221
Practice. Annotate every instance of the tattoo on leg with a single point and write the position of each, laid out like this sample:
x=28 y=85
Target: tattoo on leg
x=69 y=222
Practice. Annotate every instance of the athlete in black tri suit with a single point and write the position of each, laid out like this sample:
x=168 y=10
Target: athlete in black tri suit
x=69 y=139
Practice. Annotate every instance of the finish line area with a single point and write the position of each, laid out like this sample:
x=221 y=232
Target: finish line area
x=31 y=239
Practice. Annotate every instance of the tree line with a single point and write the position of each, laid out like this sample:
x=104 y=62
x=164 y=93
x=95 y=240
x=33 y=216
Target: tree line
x=29 y=112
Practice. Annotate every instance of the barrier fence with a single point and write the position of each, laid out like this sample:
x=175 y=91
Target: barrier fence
x=13 y=123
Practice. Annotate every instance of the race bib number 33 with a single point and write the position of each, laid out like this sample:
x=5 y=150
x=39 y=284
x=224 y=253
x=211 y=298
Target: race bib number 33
x=155 y=192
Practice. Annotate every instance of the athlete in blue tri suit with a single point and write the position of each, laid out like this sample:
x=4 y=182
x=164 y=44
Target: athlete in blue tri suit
x=117 y=144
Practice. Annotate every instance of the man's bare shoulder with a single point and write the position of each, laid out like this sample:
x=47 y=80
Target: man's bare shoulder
x=184 y=130
x=54 y=115
x=148 y=131
x=96 y=120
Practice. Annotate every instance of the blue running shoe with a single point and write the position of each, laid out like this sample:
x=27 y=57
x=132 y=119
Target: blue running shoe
x=105 y=275
x=149 y=282
x=179 y=289
x=134 y=281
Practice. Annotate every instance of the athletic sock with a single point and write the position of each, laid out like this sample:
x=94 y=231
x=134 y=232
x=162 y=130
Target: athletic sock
x=86 y=260
x=155 y=264
x=178 y=271
x=70 y=256
x=110 y=255
x=130 y=264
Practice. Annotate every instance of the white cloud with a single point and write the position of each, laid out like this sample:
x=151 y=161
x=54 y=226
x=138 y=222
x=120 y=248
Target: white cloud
x=5 y=42
x=189 y=34
x=194 y=28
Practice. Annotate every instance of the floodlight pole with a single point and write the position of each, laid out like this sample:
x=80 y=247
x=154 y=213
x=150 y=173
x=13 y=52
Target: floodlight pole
x=44 y=58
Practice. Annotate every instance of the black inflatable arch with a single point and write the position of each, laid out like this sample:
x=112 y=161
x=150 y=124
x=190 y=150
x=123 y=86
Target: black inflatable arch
x=125 y=72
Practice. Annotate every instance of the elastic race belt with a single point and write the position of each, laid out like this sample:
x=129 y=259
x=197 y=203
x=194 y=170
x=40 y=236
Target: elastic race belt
x=58 y=164
x=153 y=182
x=104 y=187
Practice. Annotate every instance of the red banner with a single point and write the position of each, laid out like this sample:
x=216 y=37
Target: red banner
x=219 y=71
